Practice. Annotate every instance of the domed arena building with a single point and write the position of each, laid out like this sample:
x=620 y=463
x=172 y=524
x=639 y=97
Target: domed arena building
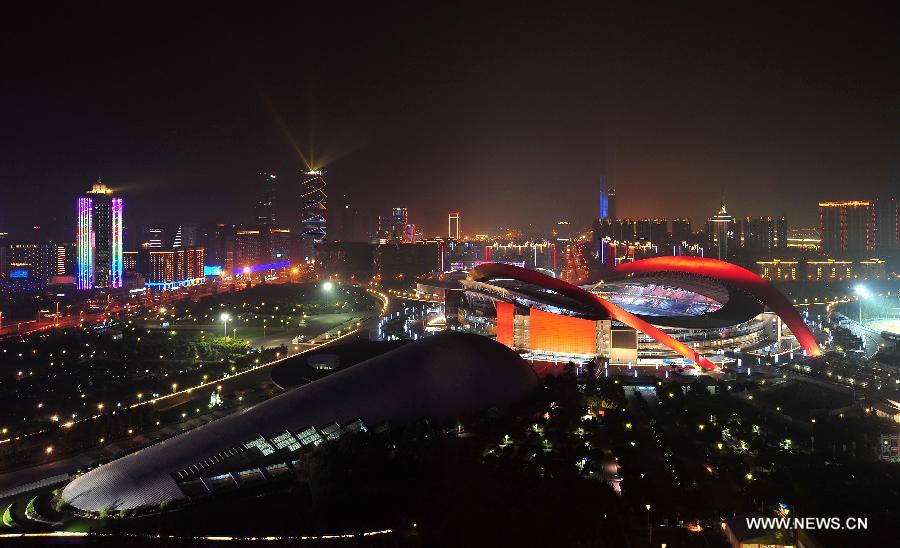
x=664 y=310
x=439 y=377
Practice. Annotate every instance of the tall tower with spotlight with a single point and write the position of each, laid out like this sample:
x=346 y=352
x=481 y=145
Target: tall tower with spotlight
x=99 y=239
x=314 y=209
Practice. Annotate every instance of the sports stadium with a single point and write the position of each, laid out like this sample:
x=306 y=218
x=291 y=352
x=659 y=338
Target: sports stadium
x=669 y=310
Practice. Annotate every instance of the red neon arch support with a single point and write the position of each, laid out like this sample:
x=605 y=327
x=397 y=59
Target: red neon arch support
x=496 y=270
x=736 y=276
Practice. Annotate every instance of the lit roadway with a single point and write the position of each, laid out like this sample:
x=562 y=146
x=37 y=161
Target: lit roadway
x=47 y=470
x=872 y=341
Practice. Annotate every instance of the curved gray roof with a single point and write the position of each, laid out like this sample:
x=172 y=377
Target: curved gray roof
x=438 y=377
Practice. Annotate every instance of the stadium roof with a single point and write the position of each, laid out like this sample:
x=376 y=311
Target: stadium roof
x=438 y=377
x=741 y=293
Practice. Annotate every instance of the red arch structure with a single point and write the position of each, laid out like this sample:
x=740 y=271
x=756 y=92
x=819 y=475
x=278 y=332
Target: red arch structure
x=731 y=274
x=485 y=272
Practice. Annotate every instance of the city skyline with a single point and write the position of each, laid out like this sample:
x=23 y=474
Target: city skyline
x=400 y=118
x=270 y=200
x=450 y=274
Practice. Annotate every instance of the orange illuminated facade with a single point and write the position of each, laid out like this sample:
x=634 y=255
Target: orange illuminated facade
x=554 y=333
x=505 y=319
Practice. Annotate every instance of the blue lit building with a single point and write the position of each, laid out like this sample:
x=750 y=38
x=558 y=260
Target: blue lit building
x=607 y=200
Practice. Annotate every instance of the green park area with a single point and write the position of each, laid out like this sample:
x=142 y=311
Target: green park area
x=78 y=389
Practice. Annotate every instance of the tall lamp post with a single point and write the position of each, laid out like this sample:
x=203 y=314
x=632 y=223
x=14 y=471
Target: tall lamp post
x=649 y=527
x=225 y=317
x=861 y=293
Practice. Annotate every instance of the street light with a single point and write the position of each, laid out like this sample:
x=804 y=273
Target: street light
x=649 y=527
x=328 y=286
x=225 y=317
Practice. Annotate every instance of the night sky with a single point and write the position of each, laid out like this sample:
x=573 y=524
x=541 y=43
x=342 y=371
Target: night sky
x=508 y=114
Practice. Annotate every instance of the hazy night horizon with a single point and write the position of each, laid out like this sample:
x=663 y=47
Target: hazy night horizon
x=673 y=105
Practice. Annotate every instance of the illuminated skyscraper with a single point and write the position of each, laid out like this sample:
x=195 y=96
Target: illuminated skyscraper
x=681 y=230
x=151 y=236
x=652 y=230
x=757 y=236
x=887 y=224
x=314 y=210
x=720 y=232
x=344 y=220
x=453 y=225
x=265 y=205
x=393 y=227
x=781 y=232
x=33 y=260
x=176 y=243
x=607 y=200
x=185 y=236
x=847 y=227
x=99 y=239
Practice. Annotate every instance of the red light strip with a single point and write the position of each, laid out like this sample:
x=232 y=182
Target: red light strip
x=736 y=276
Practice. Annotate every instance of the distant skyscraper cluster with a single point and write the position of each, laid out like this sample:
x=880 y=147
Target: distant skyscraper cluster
x=395 y=228
x=262 y=241
x=741 y=240
x=855 y=239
